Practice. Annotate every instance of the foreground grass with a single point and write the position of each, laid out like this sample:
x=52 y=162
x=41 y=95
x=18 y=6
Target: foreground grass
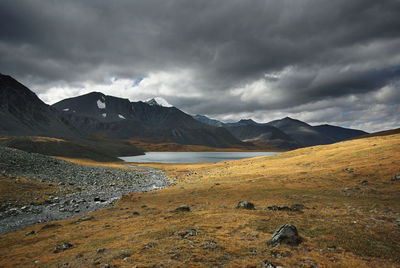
x=344 y=224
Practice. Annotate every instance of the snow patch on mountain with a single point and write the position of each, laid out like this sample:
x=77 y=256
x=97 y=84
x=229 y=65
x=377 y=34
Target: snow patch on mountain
x=158 y=101
x=66 y=109
x=104 y=115
x=101 y=103
x=121 y=116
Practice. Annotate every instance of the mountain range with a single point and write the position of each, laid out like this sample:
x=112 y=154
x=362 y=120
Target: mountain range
x=22 y=113
x=286 y=133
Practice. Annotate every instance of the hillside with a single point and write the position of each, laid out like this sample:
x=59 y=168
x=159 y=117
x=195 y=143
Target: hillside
x=23 y=113
x=380 y=133
x=347 y=198
x=338 y=133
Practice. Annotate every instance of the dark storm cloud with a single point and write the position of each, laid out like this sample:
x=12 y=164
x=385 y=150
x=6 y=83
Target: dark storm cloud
x=224 y=58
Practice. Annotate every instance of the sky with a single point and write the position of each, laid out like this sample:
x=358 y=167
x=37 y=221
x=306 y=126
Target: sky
x=335 y=62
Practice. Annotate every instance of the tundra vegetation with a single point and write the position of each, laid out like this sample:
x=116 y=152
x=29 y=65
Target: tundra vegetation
x=343 y=199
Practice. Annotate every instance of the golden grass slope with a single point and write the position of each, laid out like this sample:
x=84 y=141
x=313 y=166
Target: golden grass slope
x=344 y=224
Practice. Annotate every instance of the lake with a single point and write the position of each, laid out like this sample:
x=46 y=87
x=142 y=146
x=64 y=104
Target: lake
x=192 y=157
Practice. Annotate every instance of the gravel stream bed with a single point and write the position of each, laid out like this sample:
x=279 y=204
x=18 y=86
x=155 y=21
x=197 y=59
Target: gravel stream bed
x=99 y=187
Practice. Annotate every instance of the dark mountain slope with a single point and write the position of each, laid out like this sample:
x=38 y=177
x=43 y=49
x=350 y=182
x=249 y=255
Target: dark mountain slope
x=339 y=133
x=264 y=135
x=208 y=121
x=248 y=130
x=301 y=132
x=23 y=113
x=119 y=118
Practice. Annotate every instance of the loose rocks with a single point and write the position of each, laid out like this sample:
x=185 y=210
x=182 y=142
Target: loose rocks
x=211 y=245
x=268 y=264
x=285 y=234
x=182 y=208
x=92 y=183
x=85 y=218
x=245 y=205
x=189 y=232
x=62 y=247
x=275 y=208
x=295 y=207
x=396 y=177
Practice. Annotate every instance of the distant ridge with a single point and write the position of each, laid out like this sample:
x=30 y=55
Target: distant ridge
x=379 y=133
x=286 y=133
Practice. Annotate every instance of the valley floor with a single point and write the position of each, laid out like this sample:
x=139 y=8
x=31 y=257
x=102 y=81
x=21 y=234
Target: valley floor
x=348 y=215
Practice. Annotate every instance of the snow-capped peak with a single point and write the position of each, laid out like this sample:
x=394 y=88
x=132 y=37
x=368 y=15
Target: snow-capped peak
x=158 y=101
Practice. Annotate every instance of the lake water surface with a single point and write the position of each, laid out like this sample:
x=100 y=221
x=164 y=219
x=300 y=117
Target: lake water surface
x=192 y=157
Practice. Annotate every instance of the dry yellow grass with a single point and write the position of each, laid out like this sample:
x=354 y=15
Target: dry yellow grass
x=20 y=191
x=344 y=224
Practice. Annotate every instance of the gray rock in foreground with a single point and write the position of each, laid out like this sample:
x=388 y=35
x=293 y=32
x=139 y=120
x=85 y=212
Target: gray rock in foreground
x=285 y=234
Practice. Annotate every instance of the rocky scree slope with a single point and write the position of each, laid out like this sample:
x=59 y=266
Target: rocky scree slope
x=96 y=186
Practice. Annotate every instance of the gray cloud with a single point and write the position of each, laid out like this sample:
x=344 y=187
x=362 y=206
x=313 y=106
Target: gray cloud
x=259 y=59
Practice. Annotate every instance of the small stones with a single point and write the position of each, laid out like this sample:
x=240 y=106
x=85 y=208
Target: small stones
x=108 y=266
x=182 y=209
x=210 y=245
x=85 y=218
x=294 y=207
x=287 y=234
x=297 y=207
x=63 y=246
x=187 y=233
x=396 y=177
x=100 y=250
x=398 y=222
x=275 y=208
x=136 y=213
x=349 y=170
x=253 y=251
x=363 y=182
x=245 y=205
x=310 y=263
x=30 y=233
x=151 y=245
x=268 y=264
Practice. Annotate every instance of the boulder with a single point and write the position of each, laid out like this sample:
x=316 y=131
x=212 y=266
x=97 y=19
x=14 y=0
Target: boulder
x=287 y=234
x=245 y=205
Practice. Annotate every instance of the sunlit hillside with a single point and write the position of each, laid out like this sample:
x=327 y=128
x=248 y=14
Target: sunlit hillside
x=347 y=213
